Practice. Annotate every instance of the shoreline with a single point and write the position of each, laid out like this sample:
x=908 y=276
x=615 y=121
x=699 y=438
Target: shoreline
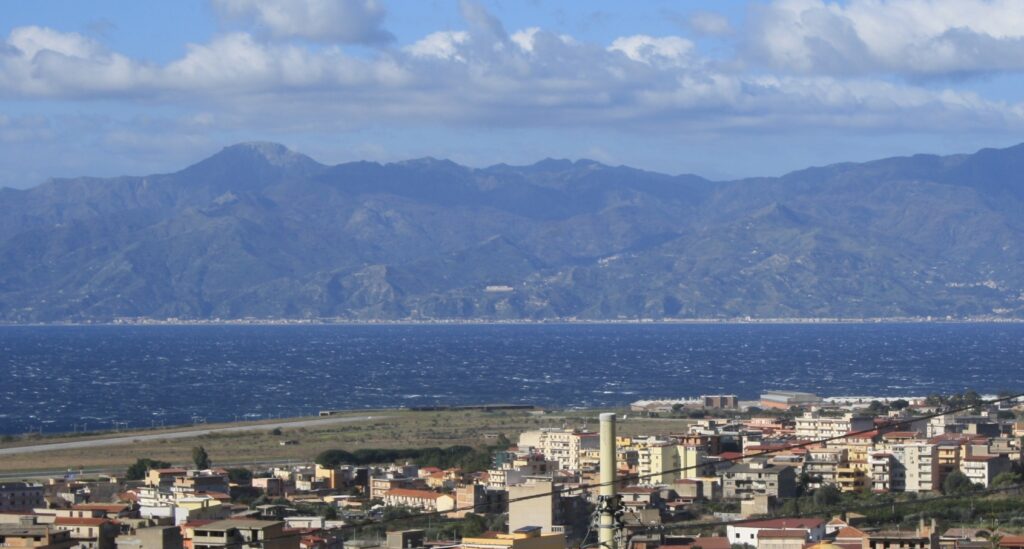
x=523 y=322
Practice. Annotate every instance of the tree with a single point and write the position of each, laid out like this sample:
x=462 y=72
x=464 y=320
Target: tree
x=827 y=495
x=876 y=407
x=899 y=404
x=200 y=457
x=956 y=483
x=1006 y=479
x=473 y=525
x=138 y=470
x=239 y=475
x=329 y=512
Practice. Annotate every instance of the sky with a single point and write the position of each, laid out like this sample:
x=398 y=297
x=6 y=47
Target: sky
x=723 y=89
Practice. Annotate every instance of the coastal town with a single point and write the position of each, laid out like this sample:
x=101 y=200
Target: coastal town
x=790 y=470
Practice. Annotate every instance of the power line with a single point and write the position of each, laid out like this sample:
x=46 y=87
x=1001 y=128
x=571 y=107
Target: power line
x=770 y=451
x=835 y=510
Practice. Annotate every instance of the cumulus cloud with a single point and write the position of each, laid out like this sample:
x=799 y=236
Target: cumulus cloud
x=912 y=37
x=441 y=45
x=484 y=75
x=667 y=50
x=346 y=21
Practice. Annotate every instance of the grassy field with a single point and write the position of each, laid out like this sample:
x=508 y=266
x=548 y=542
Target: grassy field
x=401 y=429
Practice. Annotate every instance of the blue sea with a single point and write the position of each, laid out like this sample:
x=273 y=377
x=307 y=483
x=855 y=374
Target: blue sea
x=63 y=378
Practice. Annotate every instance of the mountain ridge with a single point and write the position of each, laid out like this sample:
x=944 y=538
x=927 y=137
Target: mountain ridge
x=258 y=230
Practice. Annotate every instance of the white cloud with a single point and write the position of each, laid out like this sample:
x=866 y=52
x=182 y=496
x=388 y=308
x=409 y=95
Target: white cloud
x=914 y=37
x=32 y=39
x=668 y=50
x=348 y=21
x=524 y=38
x=484 y=77
x=441 y=45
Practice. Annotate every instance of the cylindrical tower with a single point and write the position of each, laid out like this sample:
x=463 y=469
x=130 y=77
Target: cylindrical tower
x=606 y=533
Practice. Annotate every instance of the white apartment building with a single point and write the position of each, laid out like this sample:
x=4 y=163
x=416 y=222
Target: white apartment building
x=918 y=463
x=559 y=445
x=813 y=426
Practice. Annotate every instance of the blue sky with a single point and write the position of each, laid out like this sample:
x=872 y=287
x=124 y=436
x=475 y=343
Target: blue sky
x=723 y=89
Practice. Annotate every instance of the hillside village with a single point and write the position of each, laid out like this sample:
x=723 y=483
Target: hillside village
x=789 y=471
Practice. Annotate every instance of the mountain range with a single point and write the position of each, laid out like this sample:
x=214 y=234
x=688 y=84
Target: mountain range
x=260 y=231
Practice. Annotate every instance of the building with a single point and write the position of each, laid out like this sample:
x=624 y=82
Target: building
x=852 y=476
x=242 y=533
x=559 y=445
x=419 y=499
x=884 y=472
x=784 y=400
x=155 y=537
x=982 y=470
x=470 y=498
x=405 y=539
x=664 y=461
x=925 y=537
x=163 y=477
x=781 y=539
x=20 y=496
x=814 y=426
x=546 y=507
x=89 y=533
x=727 y=402
x=821 y=465
x=917 y=459
x=747 y=532
x=527 y=537
x=34 y=536
x=758 y=477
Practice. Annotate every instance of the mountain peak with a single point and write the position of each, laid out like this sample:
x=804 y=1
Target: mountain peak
x=251 y=163
x=274 y=154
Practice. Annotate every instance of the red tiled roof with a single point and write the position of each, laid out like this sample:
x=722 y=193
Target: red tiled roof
x=731 y=455
x=783 y=523
x=409 y=493
x=81 y=521
x=855 y=434
x=1011 y=541
x=782 y=534
x=710 y=542
x=900 y=434
x=850 y=533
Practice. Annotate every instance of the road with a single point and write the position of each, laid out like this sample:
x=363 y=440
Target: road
x=129 y=439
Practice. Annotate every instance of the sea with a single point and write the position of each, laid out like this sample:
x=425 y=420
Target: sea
x=74 y=378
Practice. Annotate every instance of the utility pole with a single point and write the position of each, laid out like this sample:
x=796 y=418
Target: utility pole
x=608 y=502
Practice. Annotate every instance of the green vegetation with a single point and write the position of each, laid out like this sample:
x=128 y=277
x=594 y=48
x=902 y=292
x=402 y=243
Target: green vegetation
x=137 y=471
x=465 y=457
x=200 y=457
x=957 y=483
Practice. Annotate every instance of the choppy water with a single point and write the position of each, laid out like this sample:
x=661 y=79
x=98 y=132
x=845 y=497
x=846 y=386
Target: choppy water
x=63 y=378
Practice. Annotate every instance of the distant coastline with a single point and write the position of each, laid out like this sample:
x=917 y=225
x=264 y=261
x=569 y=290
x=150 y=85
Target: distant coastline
x=554 y=321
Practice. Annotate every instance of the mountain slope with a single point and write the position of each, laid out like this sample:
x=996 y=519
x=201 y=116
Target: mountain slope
x=260 y=231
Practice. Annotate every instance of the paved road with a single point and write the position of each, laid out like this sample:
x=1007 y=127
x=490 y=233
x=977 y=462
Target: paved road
x=129 y=439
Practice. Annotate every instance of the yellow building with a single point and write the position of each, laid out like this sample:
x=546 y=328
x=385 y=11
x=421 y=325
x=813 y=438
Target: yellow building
x=664 y=462
x=528 y=537
x=852 y=476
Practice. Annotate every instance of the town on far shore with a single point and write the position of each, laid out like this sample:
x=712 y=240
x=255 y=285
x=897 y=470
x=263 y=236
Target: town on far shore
x=791 y=470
